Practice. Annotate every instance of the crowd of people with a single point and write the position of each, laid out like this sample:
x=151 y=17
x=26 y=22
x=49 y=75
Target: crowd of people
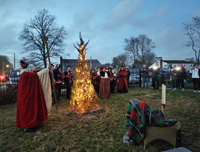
x=102 y=78
x=119 y=75
x=105 y=80
x=177 y=74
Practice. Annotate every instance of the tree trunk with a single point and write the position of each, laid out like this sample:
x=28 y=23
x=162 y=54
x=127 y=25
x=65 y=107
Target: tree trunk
x=198 y=57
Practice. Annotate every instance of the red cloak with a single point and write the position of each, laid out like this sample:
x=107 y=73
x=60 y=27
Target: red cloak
x=31 y=107
x=122 y=79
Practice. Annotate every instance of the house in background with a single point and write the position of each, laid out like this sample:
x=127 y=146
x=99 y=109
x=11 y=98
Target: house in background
x=171 y=63
x=73 y=62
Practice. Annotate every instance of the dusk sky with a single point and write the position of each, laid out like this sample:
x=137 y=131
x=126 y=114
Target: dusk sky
x=106 y=23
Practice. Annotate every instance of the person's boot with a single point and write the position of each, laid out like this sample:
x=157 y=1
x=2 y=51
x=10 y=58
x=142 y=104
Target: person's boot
x=30 y=130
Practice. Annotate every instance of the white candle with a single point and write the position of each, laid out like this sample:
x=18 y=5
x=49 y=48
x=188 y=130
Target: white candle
x=164 y=94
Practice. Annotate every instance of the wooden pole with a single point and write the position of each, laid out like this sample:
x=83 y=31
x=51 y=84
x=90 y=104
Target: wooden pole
x=14 y=60
x=45 y=39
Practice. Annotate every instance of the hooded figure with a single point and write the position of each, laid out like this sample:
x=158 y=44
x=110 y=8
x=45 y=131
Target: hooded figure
x=31 y=106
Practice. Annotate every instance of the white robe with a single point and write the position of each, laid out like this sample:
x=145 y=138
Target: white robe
x=45 y=82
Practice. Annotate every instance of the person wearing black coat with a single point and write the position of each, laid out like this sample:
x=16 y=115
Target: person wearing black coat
x=173 y=77
x=155 y=77
x=58 y=81
x=180 y=76
x=67 y=79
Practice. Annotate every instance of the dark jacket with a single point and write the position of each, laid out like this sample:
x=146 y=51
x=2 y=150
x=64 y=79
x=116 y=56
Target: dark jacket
x=67 y=80
x=199 y=72
x=145 y=72
x=57 y=75
x=128 y=75
x=103 y=73
x=181 y=74
x=172 y=75
x=156 y=73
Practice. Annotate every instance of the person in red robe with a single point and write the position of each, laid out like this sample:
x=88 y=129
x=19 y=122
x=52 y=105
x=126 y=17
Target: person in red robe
x=31 y=107
x=112 y=82
x=122 y=86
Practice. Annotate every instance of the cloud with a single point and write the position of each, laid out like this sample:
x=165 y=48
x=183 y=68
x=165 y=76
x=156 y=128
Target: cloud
x=122 y=14
x=170 y=43
x=159 y=15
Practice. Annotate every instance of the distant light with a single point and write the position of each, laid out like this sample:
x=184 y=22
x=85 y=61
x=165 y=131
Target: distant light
x=7 y=65
x=155 y=67
x=178 y=68
x=2 y=77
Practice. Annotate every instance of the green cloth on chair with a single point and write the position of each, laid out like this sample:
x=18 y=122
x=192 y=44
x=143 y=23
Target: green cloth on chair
x=140 y=115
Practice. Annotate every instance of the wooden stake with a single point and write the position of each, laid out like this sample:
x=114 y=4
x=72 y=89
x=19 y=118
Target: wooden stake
x=45 y=39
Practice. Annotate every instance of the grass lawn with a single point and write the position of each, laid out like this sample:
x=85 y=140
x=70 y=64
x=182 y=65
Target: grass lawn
x=103 y=131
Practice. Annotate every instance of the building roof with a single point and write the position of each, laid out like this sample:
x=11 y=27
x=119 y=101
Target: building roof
x=176 y=61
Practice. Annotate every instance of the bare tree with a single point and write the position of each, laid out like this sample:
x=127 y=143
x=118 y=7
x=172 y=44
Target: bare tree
x=139 y=48
x=120 y=60
x=193 y=32
x=192 y=60
x=43 y=24
x=32 y=61
x=150 y=58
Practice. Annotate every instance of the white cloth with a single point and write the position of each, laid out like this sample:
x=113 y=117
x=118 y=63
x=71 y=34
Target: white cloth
x=45 y=82
x=194 y=73
x=105 y=76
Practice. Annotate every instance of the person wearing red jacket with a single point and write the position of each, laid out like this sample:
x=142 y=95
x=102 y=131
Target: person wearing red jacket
x=122 y=86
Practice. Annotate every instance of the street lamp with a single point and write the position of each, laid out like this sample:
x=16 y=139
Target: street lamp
x=7 y=65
